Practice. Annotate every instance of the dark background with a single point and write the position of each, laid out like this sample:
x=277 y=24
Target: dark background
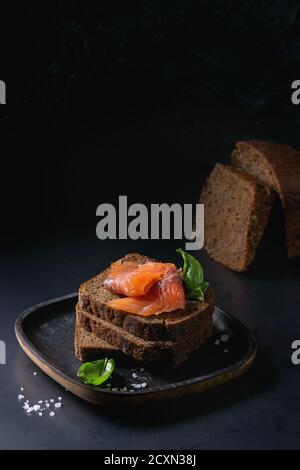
x=138 y=98
x=142 y=98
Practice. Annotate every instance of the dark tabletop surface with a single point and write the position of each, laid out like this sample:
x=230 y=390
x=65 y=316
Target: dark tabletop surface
x=259 y=410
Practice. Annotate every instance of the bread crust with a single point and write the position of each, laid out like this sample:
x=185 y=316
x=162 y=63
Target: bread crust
x=167 y=352
x=284 y=164
x=173 y=326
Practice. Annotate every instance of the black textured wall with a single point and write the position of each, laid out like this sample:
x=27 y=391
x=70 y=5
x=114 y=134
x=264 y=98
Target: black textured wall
x=138 y=97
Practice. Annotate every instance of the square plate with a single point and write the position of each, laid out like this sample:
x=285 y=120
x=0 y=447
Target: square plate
x=46 y=334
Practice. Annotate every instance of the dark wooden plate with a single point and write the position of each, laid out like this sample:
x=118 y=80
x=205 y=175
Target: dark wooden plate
x=46 y=333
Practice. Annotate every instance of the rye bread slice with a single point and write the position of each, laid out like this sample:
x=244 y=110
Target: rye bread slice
x=172 y=326
x=89 y=347
x=276 y=166
x=236 y=211
x=166 y=352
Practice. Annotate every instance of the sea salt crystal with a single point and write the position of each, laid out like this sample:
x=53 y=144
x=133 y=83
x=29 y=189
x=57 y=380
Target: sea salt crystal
x=217 y=342
x=134 y=375
x=52 y=400
x=30 y=409
x=40 y=413
x=136 y=385
x=143 y=385
x=22 y=389
x=36 y=407
x=225 y=338
x=40 y=401
x=57 y=405
x=59 y=398
x=26 y=406
x=51 y=413
x=35 y=373
x=20 y=397
x=47 y=405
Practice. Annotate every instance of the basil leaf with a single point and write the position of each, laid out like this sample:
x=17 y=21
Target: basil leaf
x=96 y=372
x=193 y=276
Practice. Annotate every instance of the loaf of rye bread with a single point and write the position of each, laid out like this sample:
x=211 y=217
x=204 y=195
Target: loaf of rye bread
x=164 y=351
x=170 y=326
x=278 y=167
x=89 y=347
x=236 y=210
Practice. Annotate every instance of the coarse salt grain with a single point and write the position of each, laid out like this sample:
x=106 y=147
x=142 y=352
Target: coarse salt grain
x=30 y=409
x=136 y=385
x=51 y=413
x=36 y=407
x=47 y=405
x=22 y=389
x=57 y=405
x=142 y=369
x=20 y=397
x=40 y=413
x=226 y=350
x=35 y=373
x=26 y=406
x=51 y=400
x=143 y=385
x=134 y=375
x=217 y=342
x=59 y=398
x=224 y=338
x=40 y=401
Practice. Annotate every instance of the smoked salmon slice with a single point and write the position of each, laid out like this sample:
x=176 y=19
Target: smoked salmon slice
x=133 y=279
x=165 y=294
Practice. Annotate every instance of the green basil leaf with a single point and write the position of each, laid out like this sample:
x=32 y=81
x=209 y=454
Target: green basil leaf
x=193 y=276
x=96 y=372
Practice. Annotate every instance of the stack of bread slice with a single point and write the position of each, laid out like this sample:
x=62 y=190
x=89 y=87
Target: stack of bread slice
x=168 y=337
x=238 y=199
